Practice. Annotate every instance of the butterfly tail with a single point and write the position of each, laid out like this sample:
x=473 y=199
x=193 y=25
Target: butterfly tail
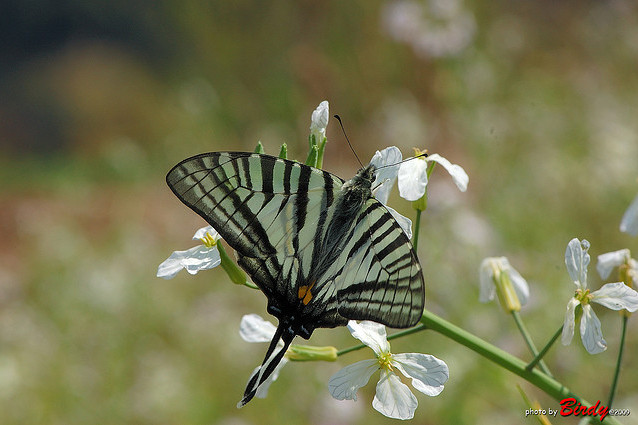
x=274 y=355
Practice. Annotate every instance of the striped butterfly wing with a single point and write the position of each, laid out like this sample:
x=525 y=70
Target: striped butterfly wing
x=321 y=256
x=381 y=279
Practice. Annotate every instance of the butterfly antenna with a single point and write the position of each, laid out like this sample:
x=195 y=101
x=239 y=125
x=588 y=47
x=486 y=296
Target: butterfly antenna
x=424 y=154
x=348 y=140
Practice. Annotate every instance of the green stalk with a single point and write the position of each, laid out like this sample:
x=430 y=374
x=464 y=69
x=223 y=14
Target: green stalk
x=320 y=149
x=545 y=349
x=504 y=359
x=528 y=340
x=614 y=384
x=417 y=227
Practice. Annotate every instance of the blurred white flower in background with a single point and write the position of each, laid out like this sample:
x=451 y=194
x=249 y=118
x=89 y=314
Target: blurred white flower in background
x=434 y=28
x=629 y=223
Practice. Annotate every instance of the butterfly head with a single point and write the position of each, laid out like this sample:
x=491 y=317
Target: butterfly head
x=363 y=179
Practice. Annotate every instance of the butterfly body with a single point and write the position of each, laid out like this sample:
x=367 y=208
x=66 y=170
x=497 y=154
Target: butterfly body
x=322 y=250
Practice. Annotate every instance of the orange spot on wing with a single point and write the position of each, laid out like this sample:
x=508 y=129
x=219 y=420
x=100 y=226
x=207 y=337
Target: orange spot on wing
x=304 y=293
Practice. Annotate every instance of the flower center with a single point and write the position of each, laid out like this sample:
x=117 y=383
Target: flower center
x=385 y=361
x=208 y=240
x=584 y=297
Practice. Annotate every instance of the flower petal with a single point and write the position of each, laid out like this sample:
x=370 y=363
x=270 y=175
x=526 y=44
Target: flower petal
x=393 y=398
x=371 y=334
x=200 y=233
x=569 y=324
x=387 y=164
x=520 y=284
x=487 y=288
x=610 y=260
x=427 y=372
x=617 y=296
x=576 y=260
x=629 y=222
x=193 y=260
x=344 y=384
x=413 y=178
x=590 y=331
x=404 y=222
x=460 y=177
x=253 y=328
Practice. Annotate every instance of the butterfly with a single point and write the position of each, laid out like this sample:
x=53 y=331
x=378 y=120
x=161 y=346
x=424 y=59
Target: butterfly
x=323 y=250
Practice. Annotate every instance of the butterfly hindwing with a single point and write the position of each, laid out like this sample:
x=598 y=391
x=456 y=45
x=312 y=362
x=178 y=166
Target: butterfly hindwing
x=382 y=280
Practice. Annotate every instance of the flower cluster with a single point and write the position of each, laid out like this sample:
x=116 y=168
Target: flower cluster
x=434 y=28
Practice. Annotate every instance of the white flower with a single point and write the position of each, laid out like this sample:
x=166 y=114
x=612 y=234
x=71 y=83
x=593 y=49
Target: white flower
x=255 y=329
x=319 y=121
x=459 y=176
x=616 y=296
x=629 y=223
x=393 y=398
x=200 y=257
x=387 y=164
x=492 y=274
x=413 y=176
x=628 y=267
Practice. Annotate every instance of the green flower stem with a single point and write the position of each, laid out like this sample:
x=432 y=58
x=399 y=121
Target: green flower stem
x=528 y=340
x=420 y=205
x=417 y=227
x=283 y=151
x=312 y=156
x=236 y=275
x=544 y=382
x=350 y=349
x=320 y=149
x=545 y=349
x=430 y=169
x=614 y=384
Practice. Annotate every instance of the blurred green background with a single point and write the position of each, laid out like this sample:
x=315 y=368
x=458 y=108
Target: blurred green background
x=98 y=99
